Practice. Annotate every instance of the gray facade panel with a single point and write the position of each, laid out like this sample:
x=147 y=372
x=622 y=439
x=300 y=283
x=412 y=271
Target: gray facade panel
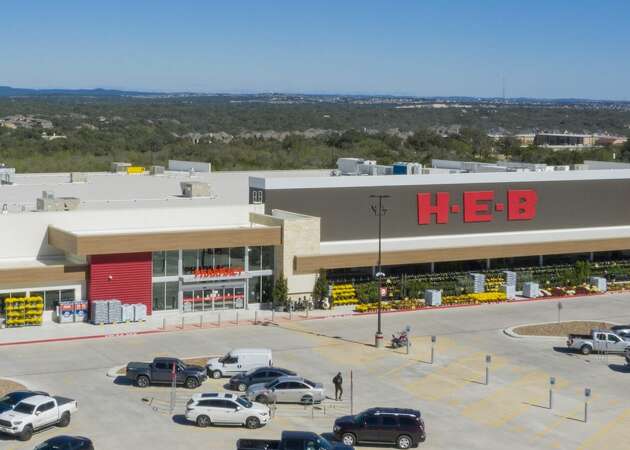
x=346 y=215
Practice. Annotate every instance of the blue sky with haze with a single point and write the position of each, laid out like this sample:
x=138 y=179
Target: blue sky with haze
x=553 y=48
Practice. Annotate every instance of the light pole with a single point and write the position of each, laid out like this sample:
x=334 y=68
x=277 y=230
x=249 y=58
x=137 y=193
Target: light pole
x=379 y=212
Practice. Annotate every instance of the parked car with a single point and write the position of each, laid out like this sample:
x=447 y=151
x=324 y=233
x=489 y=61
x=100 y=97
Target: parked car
x=292 y=440
x=226 y=409
x=242 y=381
x=598 y=341
x=621 y=330
x=36 y=413
x=8 y=401
x=239 y=360
x=160 y=371
x=402 y=427
x=66 y=443
x=287 y=390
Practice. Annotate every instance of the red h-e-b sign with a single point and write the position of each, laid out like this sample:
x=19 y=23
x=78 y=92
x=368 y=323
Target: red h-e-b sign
x=478 y=206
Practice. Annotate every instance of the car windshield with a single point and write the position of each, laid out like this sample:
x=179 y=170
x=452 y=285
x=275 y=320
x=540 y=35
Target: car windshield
x=271 y=384
x=309 y=382
x=52 y=445
x=359 y=418
x=244 y=402
x=324 y=444
x=13 y=398
x=24 y=408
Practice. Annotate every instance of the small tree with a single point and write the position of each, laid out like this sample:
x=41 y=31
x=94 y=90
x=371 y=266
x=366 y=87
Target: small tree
x=582 y=271
x=280 y=294
x=320 y=290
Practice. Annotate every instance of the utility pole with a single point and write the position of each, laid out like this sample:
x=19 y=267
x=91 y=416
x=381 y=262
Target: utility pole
x=379 y=212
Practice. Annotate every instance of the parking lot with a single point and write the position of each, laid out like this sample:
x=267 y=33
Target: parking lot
x=460 y=411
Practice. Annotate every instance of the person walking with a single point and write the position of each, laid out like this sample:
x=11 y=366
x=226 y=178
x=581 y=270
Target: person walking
x=338 y=382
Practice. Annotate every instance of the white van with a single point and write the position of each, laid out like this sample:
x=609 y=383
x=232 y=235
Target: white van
x=238 y=361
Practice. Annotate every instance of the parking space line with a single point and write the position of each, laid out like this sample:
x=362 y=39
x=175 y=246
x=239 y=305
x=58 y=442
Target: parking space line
x=610 y=435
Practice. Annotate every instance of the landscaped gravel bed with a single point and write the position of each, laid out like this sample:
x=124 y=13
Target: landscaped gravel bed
x=9 y=386
x=560 y=329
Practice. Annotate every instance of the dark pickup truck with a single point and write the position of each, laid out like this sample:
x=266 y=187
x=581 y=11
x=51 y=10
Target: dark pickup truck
x=160 y=371
x=293 y=440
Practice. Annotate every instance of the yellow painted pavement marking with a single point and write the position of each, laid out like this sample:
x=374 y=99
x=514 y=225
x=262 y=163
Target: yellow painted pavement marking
x=614 y=434
x=443 y=381
x=510 y=401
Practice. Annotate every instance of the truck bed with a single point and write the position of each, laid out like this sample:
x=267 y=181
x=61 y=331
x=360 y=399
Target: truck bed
x=62 y=400
x=257 y=444
x=580 y=336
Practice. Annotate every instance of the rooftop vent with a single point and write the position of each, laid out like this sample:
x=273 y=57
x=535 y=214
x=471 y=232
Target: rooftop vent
x=157 y=170
x=195 y=189
x=78 y=177
x=120 y=167
x=7 y=174
x=48 y=202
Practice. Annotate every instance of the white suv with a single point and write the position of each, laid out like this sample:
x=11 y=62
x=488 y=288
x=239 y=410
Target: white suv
x=226 y=409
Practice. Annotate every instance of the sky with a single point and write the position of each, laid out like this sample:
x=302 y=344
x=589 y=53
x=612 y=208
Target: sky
x=540 y=48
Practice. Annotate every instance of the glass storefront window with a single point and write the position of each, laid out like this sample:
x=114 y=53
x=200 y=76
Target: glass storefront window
x=159 y=264
x=67 y=295
x=158 y=296
x=266 y=289
x=206 y=258
x=189 y=261
x=52 y=299
x=267 y=258
x=237 y=257
x=254 y=290
x=221 y=257
x=255 y=256
x=165 y=296
x=170 y=296
x=172 y=263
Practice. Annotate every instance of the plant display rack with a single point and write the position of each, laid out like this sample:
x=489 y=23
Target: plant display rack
x=23 y=311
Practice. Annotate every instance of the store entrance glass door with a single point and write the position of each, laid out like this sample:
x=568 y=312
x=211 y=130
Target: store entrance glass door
x=213 y=297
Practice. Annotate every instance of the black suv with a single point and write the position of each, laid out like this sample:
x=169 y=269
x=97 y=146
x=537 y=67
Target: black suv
x=402 y=427
x=242 y=381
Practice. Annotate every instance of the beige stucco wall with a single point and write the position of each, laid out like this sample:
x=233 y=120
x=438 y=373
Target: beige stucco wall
x=300 y=236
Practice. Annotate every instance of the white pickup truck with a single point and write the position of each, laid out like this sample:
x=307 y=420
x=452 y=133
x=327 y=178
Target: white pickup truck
x=600 y=341
x=36 y=413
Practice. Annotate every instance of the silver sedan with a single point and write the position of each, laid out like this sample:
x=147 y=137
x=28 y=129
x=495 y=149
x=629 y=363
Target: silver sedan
x=287 y=390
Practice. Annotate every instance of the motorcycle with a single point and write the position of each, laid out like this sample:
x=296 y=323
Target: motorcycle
x=400 y=340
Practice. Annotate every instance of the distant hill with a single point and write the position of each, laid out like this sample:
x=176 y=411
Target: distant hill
x=7 y=91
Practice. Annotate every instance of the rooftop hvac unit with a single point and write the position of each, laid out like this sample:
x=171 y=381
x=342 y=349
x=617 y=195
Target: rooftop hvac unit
x=48 y=202
x=195 y=189
x=7 y=175
x=157 y=170
x=120 y=167
x=78 y=177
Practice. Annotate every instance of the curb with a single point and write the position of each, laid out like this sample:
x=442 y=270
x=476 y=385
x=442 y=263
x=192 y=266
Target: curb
x=513 y=334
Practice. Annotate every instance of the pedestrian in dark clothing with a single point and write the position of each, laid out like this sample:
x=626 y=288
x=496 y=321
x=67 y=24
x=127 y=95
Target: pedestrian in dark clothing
x=338 y=382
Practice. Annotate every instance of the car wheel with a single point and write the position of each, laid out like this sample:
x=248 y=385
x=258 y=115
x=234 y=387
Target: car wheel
x=191 y=383
x=307 y=400
x=65 y=420
x=142 y=381
x=242 y=387
x=252 y=423
x=216 y=374
x=262 y=399
x=403 y=441
x=203 y=421
x=26 y=434
x=586 y=349
x=348 y=439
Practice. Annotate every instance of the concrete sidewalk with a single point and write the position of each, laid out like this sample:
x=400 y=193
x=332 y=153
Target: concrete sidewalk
x=158 y=323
